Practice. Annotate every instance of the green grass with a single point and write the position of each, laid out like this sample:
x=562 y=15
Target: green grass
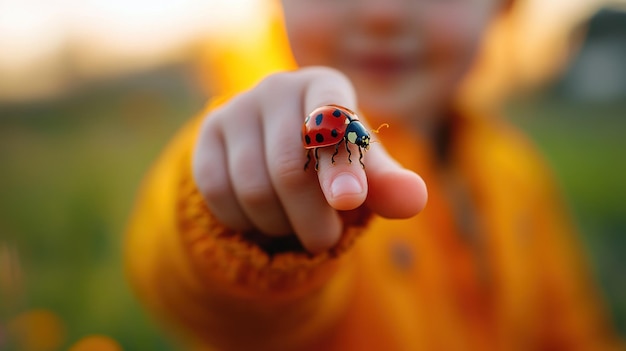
x=70 y=170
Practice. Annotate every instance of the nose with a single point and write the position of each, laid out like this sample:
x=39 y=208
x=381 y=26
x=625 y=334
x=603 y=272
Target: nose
x=382 y=16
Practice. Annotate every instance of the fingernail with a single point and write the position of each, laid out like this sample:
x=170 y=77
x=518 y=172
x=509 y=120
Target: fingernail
x=345 y=184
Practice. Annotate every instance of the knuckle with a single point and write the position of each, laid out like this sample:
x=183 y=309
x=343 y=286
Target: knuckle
x=274 y=83
x=210 y=179
x=250 y=181
x=257 y=196
x=289 y=173
x=210 y=125
x=214 y=191
x=233 y=112
x=208 y=176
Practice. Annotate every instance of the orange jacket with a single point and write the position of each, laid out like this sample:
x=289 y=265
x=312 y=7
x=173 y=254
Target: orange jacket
x=491 y=263
x=495 y=269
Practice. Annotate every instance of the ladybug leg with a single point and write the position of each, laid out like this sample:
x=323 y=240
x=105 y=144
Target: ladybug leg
x=349 y=153
x=361 y=157
x=317 y=159
x=336 y=152
x=308 y=158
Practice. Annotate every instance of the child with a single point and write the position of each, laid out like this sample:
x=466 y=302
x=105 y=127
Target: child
x=239 y=248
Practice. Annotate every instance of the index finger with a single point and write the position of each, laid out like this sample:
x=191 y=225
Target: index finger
x=343 y=183
x=389 y=189
x=282 y=99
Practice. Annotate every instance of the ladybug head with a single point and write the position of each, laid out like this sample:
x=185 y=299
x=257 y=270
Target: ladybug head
x=357 y=134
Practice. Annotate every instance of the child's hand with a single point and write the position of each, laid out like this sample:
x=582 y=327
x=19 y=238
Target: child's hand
x=249 y=159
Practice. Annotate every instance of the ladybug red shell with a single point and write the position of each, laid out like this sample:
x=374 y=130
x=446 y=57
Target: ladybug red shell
x=333 y=125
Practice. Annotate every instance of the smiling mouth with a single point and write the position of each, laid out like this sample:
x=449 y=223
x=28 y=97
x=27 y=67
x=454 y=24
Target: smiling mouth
x=385 y=65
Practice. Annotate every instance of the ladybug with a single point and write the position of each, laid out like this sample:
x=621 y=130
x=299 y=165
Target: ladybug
x=332 y=125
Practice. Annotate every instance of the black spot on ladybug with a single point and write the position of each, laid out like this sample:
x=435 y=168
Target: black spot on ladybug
x=337 y=113
x=334 y=133
x=307 y=139
x=318 y=119
x=319 y=137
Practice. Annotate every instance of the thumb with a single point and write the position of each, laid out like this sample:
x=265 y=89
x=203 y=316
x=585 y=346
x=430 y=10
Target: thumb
x=394 y=191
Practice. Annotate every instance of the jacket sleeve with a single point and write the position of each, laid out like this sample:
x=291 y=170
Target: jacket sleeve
x=215 y=287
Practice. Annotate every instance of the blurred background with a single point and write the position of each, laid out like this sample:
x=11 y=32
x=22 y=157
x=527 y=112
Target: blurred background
x=91 y=91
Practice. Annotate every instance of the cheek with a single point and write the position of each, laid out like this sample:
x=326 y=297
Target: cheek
x=453 y=33
x=310 y=29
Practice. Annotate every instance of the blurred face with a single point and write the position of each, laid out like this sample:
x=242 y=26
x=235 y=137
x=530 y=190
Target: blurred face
x=405 y=57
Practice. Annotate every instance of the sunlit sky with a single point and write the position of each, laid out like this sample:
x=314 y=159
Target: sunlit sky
x=34 y=34
x=102 y=36
x=31 y=28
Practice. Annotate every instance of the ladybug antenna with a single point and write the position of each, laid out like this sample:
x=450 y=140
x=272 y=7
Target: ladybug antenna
x=377 y=130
